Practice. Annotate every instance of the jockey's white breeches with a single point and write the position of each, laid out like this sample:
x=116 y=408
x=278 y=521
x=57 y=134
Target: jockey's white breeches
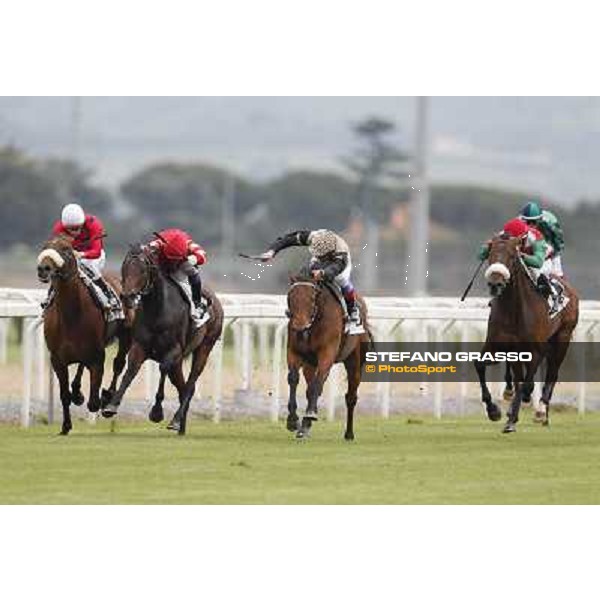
x=182 y=280
x=546 y=269
x=557 y=266
x=96 y=264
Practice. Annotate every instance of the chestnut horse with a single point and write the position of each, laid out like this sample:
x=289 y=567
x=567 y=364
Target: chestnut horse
x=162 y=332
x=75 y=329
x=316 y=341
x=519 y=320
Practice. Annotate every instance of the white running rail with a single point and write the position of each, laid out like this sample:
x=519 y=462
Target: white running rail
x=259 y=320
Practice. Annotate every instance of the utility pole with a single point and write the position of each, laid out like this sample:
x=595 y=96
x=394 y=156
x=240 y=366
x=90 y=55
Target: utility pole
x=228 y=217
x=419 y=205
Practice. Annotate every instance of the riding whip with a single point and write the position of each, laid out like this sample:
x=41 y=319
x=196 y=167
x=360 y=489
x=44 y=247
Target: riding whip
x=472 y=280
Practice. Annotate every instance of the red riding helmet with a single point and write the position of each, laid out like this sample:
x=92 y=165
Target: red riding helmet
x=174 y=244
x=516 y=228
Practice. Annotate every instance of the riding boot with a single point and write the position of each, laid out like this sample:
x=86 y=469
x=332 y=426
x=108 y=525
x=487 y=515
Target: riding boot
x=543 y=286
x=113 y=302
x=355 y=325
x=196 y=285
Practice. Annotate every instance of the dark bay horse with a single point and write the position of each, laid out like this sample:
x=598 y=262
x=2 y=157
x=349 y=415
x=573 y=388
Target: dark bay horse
x=162 y=331
x=316 y=341
x=519 y=320
x=75 y=329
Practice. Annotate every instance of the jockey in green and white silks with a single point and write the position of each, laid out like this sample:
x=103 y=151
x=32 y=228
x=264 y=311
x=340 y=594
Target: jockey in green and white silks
x=330 y=260
x=536 y=254
x=548 y=225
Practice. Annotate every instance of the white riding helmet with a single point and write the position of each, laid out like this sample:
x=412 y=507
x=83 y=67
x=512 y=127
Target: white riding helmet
x=72 y=216
x=322 y=242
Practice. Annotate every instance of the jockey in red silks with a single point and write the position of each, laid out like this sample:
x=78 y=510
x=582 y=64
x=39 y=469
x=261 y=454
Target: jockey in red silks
x=86 y=233
x=181 y=256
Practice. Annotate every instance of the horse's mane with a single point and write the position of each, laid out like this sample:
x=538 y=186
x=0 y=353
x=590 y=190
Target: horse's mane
x=304 y=275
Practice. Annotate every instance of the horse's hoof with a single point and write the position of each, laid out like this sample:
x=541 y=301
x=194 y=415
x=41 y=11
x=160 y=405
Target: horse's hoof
x=302 y=434
x=292 y=425
x=311 y=415
x=546 y=423
x=174 y=425
x=508 y=395
x=105 y=397
x=65 y=430
x=509 y=428
x=493 y=412
x=93 y=407
x=349 y=436
x=77 y=398
x=156 y=414
x=539 y=416
x=110 y=410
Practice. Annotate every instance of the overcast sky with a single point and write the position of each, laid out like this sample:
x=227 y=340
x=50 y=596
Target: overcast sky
x=546 y=145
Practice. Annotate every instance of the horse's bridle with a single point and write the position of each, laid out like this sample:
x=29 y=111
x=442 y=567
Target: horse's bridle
x=315 y=310
x=150 y=270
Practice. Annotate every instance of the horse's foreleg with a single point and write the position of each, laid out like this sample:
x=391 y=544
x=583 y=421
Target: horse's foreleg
x=309 y=376
x=509 y=390
x=493 y=412
x=523 y=388
x=293 y=381
x=117 y=368
x=353 y=370
x=96 y=374
x=135 y=359
x=315 y=389
x=76 y=395
x=62 y=373
x=156 y=412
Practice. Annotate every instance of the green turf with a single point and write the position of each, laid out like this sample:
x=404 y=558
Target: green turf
x=396 y=461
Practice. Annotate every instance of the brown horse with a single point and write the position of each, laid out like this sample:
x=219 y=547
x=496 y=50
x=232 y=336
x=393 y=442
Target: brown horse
x=162 y=332
x=519 y=320
x=75 y=329
x=316 y=341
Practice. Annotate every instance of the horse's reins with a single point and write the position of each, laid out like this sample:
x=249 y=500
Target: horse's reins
x=315 y=310
x=151 y=268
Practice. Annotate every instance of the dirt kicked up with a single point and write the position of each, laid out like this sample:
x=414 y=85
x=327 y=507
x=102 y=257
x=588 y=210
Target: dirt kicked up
x=403 y=460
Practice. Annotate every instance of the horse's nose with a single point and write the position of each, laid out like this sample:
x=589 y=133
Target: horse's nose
x=43 y=272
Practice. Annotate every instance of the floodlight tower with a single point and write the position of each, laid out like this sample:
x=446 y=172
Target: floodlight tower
x=419 y=205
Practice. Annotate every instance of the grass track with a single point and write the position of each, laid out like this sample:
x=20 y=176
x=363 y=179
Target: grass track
x=464 y=461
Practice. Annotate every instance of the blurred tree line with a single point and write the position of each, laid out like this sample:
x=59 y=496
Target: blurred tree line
x=212 y=202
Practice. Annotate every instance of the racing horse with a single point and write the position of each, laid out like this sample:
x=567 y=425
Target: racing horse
x=162 y=332
x=76 y=330
x=316 y=341
x=519 y=319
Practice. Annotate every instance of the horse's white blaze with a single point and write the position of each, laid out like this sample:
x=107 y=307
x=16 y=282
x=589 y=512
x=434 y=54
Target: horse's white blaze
x=52 y=255
x=499 y=269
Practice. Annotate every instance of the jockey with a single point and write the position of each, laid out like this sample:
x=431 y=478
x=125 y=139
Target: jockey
x=548 y=225
x=535 y=253
x=181 y=257
x=330 y=260
x=86 y=234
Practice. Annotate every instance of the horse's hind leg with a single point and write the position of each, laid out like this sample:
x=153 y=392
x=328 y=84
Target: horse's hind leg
x=353 y=369
x=524 y=387
x=76 y=395
x=493 y=412
x=96 y=374
x=199 y=361
x=62 y=373
x=556 y=355
x=176 y=377
x=156 y=412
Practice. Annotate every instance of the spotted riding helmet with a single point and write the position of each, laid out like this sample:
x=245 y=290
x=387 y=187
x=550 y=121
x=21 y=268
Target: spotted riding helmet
x=322 y=242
